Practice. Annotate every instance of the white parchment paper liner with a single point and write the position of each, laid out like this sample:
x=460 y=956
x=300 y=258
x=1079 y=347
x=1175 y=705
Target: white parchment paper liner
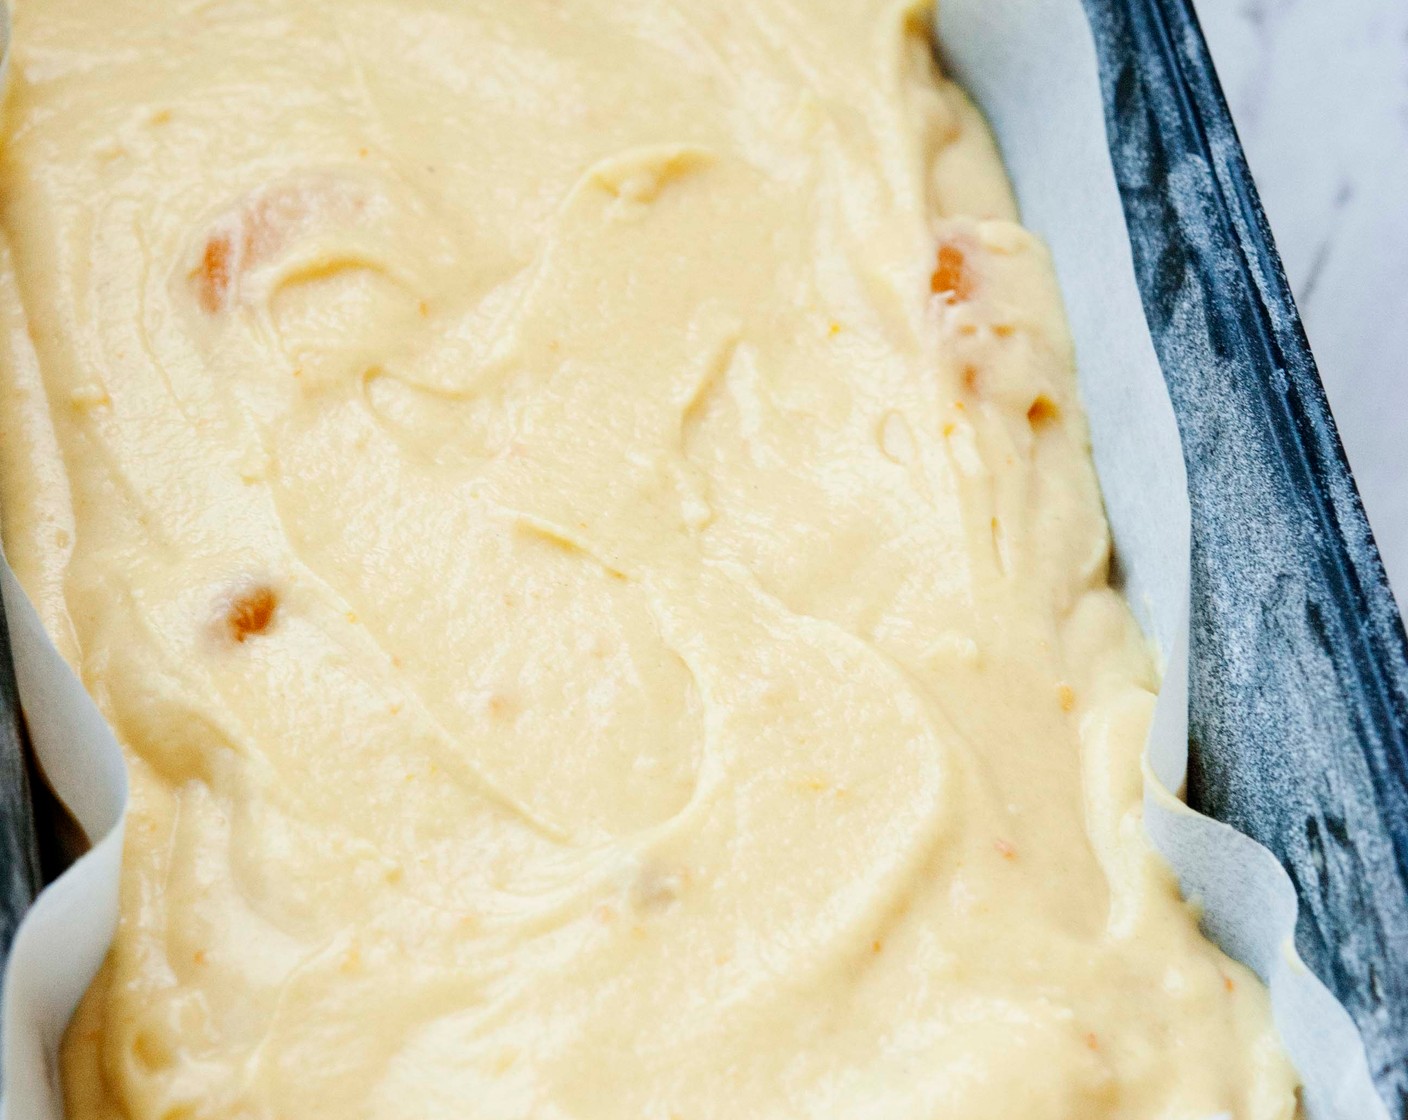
x=1031 y=67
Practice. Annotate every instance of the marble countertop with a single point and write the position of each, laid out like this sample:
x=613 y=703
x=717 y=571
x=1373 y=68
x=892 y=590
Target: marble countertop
x=1319 y=93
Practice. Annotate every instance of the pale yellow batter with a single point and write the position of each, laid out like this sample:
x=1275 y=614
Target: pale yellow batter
x=578 y=512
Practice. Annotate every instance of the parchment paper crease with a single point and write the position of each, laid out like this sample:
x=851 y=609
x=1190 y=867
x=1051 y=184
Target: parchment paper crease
x=1032 y=68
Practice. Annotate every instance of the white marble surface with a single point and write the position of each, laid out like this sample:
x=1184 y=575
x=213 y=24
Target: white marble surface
x=1319 y=92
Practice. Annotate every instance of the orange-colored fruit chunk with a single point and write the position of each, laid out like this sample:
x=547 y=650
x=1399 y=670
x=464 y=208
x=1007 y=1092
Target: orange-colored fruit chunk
x=1043 y=411
x=952 y=278
x=251 y=612
x=214 y=273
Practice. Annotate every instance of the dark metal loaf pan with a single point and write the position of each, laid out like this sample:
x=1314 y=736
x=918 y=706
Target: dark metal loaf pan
x=1298 y=674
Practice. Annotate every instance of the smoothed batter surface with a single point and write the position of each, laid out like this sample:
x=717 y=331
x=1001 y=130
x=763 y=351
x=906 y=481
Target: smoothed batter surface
x=580 y=518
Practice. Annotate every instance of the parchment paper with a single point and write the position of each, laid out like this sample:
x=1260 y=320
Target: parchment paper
x=1031 y=67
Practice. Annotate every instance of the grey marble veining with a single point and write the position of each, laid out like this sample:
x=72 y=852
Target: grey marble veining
x=1319 y=93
